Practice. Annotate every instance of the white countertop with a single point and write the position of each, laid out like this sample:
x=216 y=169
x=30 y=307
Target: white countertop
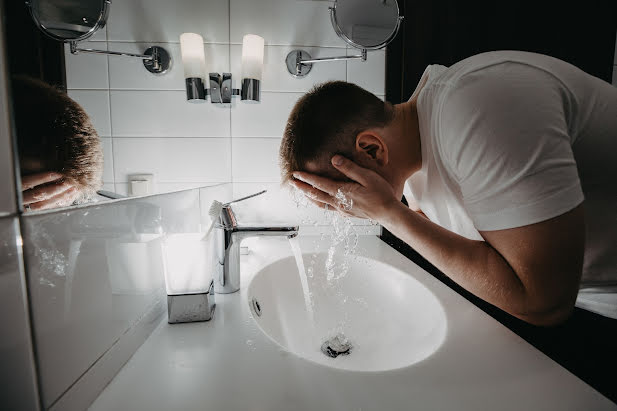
x=229 y=364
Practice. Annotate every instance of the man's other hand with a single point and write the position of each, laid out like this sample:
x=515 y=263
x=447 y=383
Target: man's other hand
x=368 y=195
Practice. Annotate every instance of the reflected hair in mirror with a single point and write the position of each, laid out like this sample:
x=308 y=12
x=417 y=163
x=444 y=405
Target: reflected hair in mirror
x=54 y=134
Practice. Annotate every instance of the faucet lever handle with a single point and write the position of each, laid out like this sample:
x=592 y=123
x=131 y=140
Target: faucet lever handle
x=244 y=198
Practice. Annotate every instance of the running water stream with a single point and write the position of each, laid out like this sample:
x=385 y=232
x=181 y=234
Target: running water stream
x=343 y=243
x=295 y=246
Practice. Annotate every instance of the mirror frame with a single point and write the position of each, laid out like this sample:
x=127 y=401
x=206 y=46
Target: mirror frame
x=343 y=36
x=100 y=22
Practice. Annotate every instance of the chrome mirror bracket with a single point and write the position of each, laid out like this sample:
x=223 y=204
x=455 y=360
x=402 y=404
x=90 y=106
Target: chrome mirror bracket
x=299 y=62
x=156 y=59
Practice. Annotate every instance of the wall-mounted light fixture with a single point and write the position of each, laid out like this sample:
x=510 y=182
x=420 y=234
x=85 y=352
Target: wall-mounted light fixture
x=221 y=91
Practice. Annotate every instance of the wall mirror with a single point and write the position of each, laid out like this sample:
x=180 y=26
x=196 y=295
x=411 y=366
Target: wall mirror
x=366 y=24
x=69 y=20
x=363 y=24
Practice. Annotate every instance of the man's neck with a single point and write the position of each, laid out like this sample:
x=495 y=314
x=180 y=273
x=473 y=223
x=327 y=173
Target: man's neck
x=407 y=128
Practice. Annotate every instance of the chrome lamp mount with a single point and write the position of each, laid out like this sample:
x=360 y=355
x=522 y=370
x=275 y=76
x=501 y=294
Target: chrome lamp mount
x=220 y=90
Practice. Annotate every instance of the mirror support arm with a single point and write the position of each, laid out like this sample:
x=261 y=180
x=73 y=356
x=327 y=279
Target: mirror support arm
x=76 y=50
x=357 y=56
x=299 y=62
x=156 y=59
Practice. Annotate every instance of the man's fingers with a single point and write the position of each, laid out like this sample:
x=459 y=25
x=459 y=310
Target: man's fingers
x=313 y=193
x=33 y=180
x=61 y=199
x=322 y=183
x=351 y=169
x=45 y=192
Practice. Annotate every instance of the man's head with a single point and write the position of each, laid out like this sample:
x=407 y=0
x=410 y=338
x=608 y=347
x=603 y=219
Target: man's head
x=54 y=134
x=335 y=118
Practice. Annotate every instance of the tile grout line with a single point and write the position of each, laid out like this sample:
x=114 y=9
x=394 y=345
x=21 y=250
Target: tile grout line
x=215 y=43
x=113 y=160
x=231 y=151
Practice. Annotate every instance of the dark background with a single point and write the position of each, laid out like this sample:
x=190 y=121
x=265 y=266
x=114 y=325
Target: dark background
x=29 y=51
x=447 y=31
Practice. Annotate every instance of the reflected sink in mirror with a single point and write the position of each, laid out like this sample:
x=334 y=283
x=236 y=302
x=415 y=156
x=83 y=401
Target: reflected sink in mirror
x=376 y=317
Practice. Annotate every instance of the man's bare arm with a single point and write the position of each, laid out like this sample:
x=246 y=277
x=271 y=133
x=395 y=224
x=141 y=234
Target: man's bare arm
x=532 y=272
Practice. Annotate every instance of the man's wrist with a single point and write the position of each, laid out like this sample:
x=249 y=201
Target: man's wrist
x=391 y=213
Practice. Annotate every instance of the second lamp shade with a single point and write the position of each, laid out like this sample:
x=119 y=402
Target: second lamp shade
x=252 y=56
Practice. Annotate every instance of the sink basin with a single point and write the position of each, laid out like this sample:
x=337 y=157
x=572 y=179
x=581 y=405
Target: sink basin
x=386 y=318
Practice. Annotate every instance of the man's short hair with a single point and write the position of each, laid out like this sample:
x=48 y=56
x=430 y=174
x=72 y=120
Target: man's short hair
x=54 y=133
x=326 y=121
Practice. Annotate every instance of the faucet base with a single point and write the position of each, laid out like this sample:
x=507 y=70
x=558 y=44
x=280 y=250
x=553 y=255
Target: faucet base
x=186 y=308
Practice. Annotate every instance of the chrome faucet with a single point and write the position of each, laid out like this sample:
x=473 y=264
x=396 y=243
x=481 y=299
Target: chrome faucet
x=225 y=242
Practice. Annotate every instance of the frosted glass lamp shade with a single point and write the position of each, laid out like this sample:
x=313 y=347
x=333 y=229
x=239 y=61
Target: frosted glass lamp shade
x=252 y=56
x=193 y=56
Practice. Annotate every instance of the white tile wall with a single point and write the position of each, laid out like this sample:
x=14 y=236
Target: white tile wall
x=255 y=159
x=108 y=160
x=164 y=21
x=162 y=113
x=266 y=119
x=283 y=22
x=86 y=71
x=96 y=104
x=148 y=124
x=186 y=159
x=369 y=74
x=100 y=35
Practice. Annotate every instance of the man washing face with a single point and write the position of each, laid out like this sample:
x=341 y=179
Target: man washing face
x=507 y=160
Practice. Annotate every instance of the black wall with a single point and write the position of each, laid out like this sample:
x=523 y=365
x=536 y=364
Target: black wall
x=29 y=51
x=447 y=31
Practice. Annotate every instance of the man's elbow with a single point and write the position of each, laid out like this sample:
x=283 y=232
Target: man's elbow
x=551 y=317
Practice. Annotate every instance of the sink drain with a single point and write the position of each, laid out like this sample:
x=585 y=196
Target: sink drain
x=256 y=307
x=335 y=346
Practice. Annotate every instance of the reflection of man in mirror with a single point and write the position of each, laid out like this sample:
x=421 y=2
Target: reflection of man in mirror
x=508 y=160
x=60 y=152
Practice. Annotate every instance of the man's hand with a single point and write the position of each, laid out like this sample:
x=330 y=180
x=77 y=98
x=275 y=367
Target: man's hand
x=47 y=190
x=368 y=195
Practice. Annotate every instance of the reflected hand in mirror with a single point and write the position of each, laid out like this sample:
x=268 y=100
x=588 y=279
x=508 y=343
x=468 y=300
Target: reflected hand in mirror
x=60 y=153
x=47 y=190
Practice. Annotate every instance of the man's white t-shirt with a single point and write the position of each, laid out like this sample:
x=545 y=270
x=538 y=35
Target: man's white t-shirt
x=512 y=138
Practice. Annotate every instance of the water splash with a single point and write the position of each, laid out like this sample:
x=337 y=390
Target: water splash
x=344 y=236
x=342 y=201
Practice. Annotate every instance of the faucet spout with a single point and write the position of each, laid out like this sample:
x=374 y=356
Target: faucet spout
x=269 y=231
x=227 y=236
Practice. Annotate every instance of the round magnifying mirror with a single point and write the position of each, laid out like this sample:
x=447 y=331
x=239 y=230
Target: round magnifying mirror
x=366 y=24
x=69 y=20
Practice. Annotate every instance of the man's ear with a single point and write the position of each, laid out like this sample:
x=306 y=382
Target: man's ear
x=371 y=147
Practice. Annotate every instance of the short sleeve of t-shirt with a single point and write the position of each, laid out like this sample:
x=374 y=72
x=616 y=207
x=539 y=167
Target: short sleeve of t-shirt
x=504 y=141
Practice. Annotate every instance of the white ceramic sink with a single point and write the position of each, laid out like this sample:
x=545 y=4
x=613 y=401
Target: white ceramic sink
x=390 y=319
